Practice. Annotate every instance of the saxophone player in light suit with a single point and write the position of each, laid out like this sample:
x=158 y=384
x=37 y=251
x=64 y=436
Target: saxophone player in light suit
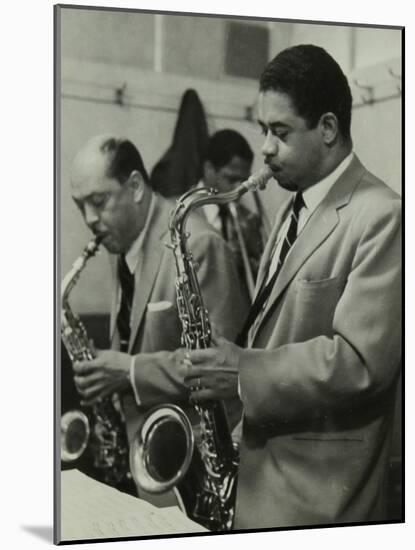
x=111 y=188
x=319 y=357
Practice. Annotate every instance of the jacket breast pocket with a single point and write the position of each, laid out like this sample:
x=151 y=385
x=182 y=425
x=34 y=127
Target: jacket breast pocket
x=316 y=302
x=316 y=286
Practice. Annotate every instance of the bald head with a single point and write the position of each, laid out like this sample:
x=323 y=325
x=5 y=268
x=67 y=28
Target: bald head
x=108 y=183
x=90 y=162
x=117 y=156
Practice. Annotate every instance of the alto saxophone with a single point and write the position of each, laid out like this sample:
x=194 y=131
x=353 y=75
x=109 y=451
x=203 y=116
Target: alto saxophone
x=202 y=468
x=99 y=430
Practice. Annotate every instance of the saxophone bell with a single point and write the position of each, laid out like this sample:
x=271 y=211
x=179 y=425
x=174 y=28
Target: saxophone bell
x=75 y=432
x=165 y=433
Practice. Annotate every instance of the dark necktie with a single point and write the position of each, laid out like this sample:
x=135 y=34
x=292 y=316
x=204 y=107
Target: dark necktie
x=127 y=292
x=224 y=215
x=265 y=291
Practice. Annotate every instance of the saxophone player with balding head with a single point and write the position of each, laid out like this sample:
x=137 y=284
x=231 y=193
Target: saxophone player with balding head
x=110 y=186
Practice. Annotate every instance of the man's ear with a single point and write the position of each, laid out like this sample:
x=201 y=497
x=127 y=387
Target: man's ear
x=136 y=183
x=329 y=127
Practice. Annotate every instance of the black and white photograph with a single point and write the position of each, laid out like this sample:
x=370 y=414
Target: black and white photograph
x=228 y=198
x=204 y=270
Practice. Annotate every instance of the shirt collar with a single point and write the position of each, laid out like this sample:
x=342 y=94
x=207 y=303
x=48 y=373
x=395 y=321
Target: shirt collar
x=133 y=255
x=315 y=194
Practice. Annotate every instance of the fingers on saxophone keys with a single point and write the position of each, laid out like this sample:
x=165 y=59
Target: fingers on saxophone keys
x=201 y=356
x=195 y=384
x=88 y=380
x=193 y=377
x=184 y=363
x=92 y=396
x=83 y=367
x=192 y=361
x=202 y=394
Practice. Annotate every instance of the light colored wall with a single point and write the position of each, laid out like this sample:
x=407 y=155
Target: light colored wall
x=374 y=46
x=377 y=134
x=113 y=37
x=194 y=46
x=104 y=50
x=337 y=40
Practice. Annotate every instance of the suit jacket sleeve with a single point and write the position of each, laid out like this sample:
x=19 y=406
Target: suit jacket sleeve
x=360 y=360
x=157 y=376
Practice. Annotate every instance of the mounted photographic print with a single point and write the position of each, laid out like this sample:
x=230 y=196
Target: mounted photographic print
x=228 y=273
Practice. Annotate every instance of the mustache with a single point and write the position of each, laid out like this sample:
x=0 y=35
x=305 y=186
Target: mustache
x=274 y=167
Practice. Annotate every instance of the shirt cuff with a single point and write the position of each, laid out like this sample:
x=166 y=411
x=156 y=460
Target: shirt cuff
x=132 y=380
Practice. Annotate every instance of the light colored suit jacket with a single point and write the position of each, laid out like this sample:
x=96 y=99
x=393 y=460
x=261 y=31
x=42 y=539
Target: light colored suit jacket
x=155 y=325
x=318 y=384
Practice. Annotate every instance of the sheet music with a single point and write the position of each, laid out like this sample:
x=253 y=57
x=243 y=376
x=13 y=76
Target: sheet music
x=90 y=510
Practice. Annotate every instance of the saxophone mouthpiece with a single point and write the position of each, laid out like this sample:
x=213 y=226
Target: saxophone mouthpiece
x=98 y=239
x=260 y=179
x=93 y=245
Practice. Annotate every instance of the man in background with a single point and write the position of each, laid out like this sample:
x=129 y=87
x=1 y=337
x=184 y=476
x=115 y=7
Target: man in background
x=110 y=186
x=228 y=163
x=319 y=356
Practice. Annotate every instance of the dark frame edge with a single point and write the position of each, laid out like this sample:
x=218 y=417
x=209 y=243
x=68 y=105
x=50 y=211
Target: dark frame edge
x=403 y=465
x=57 y=8
x=56 y=263
x=231 y=16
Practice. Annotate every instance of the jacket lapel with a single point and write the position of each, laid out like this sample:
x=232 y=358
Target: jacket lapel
x=151 y=254
x=321 y=223
x=318 y=228
x=115 y=298
x=152 y=251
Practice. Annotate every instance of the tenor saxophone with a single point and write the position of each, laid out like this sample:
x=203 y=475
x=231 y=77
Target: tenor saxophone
x=206 y=471
x=99 y=429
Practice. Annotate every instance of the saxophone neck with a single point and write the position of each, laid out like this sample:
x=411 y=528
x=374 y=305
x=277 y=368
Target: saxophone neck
x=195 y=198
x=71 y=278
x=256 y=181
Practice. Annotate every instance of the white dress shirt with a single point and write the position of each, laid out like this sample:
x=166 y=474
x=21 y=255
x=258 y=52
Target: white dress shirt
x=312 y=196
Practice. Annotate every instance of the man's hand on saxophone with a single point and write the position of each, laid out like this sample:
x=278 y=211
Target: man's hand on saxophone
x=107 y=373
x=213 y=373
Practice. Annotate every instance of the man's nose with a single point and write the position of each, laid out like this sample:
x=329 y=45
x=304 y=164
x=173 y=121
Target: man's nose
x=91 y=216
x=269 y=147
